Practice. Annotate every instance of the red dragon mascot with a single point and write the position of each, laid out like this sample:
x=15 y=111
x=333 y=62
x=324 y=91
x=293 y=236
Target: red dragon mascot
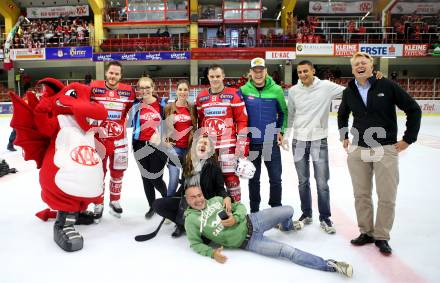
x=57 y=132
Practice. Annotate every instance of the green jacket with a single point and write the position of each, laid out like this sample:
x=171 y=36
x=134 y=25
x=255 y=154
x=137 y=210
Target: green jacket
x=265 y=107
x=206 y=222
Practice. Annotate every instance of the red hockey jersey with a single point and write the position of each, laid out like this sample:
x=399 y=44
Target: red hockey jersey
x=117 y=102
x=223 y=115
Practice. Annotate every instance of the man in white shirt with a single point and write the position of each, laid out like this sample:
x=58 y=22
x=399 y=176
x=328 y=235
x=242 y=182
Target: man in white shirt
x=308 y=110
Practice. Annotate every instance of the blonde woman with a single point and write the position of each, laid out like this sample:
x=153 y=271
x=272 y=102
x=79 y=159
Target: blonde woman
x=150 y=158
x=201 y=168
x=181 y=122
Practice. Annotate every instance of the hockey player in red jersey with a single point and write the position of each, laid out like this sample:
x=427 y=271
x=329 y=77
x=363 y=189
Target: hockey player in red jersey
x=222 y=113
x=117 y=98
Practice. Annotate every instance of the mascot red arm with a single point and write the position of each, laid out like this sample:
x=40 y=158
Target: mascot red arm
x=58 y=133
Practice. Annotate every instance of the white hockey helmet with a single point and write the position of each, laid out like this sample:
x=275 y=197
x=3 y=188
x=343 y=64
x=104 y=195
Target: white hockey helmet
x=245 y=169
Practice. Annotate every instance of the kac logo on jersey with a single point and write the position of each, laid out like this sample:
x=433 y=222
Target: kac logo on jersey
x=114 y=115
x=215 y=111
x=181 y=118
x=112 y=129
x=215 y=126
x=85 y=155
x=150 y=117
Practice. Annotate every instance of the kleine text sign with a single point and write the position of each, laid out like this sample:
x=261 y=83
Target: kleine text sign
x=415 y=50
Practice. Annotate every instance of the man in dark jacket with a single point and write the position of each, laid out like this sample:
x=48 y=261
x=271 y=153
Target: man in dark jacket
x=267 y=119
x=375 y=147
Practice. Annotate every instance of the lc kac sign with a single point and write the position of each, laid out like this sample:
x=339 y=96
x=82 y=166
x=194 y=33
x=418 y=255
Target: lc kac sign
x=280 y=55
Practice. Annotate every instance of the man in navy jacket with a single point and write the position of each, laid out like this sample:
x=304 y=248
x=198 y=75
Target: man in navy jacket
x=375 y=148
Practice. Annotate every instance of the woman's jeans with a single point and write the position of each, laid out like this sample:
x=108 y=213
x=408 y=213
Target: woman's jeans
x=174 y=171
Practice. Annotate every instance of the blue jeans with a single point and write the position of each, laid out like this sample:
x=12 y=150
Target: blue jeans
x=272 y=159
x=174 y=171
x=318 y=150
x=258 y=243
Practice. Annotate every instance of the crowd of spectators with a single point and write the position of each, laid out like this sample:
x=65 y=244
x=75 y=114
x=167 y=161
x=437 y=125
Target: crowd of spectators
x=306 y=30
x=4 y=92
x=52 y=33
x=416 y=28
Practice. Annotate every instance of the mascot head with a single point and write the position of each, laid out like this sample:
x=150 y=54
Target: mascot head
x=73 y=99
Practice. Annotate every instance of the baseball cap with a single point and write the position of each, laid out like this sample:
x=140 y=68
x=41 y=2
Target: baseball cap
x=258 y=62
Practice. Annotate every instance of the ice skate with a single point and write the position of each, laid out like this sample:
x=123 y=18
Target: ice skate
x=115 y=209
x=97 y=212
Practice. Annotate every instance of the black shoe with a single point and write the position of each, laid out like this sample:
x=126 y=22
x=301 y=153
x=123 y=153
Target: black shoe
x=362 y=240
x=11 y=147
x=178 y=231
x=383 y=246
x=85 y=218
x=149 y=213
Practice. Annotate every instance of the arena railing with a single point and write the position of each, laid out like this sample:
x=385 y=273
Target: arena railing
x=141 y=43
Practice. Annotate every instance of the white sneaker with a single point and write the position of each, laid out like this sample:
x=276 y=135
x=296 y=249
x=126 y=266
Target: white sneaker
x=327 y=226
x=97 y=213
x=115 y=208
x=297 y=225
x=341 y=267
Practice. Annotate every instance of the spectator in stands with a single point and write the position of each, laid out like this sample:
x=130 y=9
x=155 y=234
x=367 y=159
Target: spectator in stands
x=220 y=33
x=26 y=79
x=300 y=36
x=165 y=33
x=351 y=27
x=310 y=38
x=80 y=34
x=251 y=37
x=361 y=31
x=88 y=79
x=375 y=153
x=243 y=37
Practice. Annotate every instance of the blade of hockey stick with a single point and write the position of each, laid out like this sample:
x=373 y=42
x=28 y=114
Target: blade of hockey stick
x=146 y=237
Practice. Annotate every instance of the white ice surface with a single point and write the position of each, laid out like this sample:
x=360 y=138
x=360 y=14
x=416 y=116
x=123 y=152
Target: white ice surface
x=29 y=254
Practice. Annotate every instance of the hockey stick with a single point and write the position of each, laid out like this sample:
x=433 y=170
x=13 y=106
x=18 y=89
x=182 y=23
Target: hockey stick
x=146 y=237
